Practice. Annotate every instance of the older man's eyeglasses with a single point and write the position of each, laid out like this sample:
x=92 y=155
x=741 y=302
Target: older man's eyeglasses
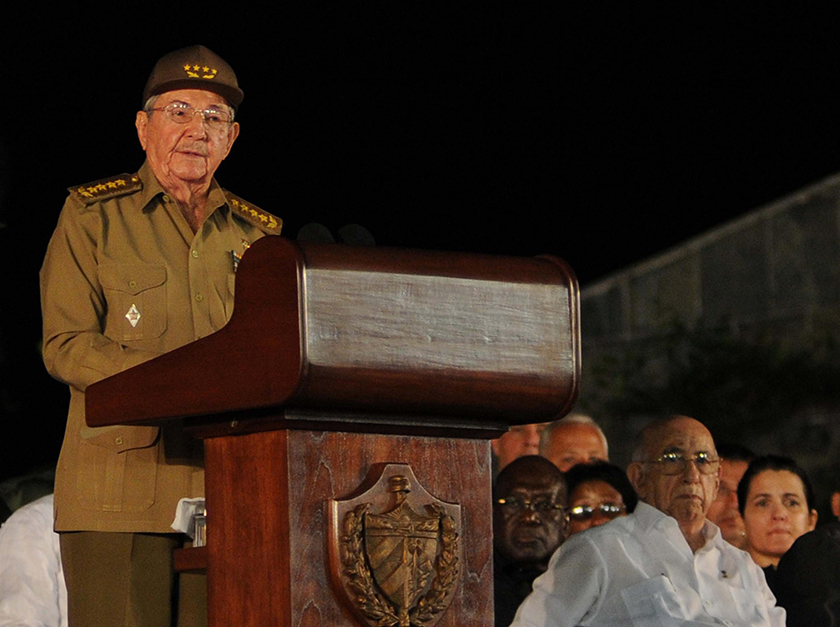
x=182 y=113
x=677 y=463
x=516 y=504
x=607 y=510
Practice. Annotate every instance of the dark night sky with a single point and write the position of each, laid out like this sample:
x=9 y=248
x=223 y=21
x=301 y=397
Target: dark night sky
x=600 y=136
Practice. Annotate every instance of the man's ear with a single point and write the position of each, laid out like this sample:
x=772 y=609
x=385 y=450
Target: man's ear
x=835 y=504
x=636 y=474
x=140 y=122
x=717 y=481
x=234 y=133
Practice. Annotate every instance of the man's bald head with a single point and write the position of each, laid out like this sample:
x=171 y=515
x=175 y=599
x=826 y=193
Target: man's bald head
x=651 y=436
x=576 y=439
x=530 y=470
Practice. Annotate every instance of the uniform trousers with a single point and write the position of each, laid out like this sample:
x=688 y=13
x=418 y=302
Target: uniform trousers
x=127 y=580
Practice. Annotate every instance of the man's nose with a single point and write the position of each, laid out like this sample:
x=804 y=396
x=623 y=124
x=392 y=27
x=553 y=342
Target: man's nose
x=532 y=439
x=690 y=471
x=196 y=126
x=732 y=499
x=530 y=517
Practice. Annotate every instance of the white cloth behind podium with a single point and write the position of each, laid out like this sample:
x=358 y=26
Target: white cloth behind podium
x=32 y=590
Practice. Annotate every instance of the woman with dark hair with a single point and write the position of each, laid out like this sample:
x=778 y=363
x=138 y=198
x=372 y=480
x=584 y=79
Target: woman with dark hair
x=598 y=493
x=777 y=502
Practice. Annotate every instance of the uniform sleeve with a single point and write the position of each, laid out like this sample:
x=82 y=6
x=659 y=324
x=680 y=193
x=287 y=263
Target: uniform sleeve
x=74 y=307
x=32 y=589
x=570 y=590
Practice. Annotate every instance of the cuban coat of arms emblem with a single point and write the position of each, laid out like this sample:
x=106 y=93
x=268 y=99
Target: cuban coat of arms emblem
x=398 y=566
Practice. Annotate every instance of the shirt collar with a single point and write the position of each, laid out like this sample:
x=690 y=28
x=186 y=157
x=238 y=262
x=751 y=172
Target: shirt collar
x=648 y=517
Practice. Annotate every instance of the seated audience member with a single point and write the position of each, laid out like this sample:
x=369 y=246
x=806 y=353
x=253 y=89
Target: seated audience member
x=777 y=502
x=529 y=523
x=32 y=590
x=519 y=441
x=575 y=439
x=662 y=565
x=808 y=578
x=724 y=511
x=598 y=493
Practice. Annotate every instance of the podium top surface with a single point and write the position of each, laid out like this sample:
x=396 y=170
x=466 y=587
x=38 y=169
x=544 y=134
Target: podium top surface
x=374 y=331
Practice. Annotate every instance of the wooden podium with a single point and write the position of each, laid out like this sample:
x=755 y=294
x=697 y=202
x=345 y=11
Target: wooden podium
x=351 y=380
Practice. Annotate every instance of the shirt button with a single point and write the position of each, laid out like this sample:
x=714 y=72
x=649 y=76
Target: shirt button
x=132 y=284
x=199 y=298
x=195 y=254
x=118 y=441
x=166 y=198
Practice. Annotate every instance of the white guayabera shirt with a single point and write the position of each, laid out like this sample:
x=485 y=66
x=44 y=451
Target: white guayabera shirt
x=639 y=571
x=32 y=590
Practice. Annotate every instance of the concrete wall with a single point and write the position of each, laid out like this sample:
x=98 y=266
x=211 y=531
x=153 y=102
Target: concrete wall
x=778 y=263
x=773 y=273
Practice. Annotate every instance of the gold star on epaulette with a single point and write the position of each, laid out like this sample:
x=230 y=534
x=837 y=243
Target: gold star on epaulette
x=252 y=214
x=107 y=188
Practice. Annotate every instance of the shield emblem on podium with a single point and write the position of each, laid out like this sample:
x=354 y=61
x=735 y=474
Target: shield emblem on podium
x=401 y=547
x=398 y=567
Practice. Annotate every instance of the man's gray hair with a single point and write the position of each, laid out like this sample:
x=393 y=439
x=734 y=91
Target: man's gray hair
x=574 y=419
x=150 y=104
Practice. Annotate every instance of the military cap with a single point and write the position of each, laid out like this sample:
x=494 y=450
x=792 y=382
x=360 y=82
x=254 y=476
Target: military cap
x=195 y=67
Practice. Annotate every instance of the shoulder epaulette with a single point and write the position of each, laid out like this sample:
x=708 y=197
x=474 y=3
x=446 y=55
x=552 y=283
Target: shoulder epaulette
x=107 y=188
x=252 y=214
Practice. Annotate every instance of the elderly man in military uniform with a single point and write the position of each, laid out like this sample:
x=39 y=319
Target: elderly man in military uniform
x=141 y=264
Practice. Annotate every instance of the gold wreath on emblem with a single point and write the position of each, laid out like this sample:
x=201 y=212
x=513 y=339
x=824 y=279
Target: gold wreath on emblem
x=399 y=568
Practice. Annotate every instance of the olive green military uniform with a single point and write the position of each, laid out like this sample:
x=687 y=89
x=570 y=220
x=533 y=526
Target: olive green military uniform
x=125 y=280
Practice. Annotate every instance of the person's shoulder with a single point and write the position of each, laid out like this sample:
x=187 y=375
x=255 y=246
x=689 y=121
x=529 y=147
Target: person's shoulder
x=813 y=548
x=618 y=531
x=33 y=516
x=105 y=189
x=266 y=222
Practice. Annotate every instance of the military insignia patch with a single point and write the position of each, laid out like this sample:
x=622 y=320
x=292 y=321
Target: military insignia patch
x=197 y=70
x=252 y=214
x=107 y=188
x=133 y=315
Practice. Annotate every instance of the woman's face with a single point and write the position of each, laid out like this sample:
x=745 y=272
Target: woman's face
x=594 y=503
x=775 y=514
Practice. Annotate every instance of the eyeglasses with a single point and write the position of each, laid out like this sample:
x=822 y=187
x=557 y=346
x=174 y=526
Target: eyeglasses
x=182 y=113
x=607 y=510
x=676 y=463
x=515 y=504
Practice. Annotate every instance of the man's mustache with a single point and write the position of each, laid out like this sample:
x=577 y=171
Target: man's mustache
x=197 y=148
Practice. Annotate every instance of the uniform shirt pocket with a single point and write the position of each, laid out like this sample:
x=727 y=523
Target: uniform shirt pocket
x=136 y=298
x=747 y=602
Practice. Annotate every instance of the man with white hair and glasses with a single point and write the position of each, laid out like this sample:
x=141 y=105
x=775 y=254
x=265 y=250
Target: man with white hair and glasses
x=139 y=265
x=662 y=565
